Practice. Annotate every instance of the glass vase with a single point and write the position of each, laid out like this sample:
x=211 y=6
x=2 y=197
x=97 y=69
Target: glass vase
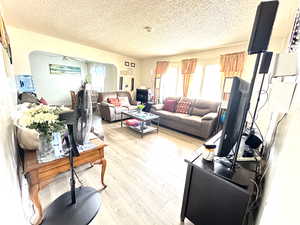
x=45 y=153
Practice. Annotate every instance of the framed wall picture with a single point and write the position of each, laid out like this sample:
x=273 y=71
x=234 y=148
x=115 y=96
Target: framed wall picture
x=56 y=69
x=132 y=65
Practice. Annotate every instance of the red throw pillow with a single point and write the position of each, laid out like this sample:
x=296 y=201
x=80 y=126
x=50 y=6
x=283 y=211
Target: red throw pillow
x=183 y=106
x=170 y=105
x=114 y=101
x=43 y=101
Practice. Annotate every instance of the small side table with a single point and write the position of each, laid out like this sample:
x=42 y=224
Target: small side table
x=39 y=175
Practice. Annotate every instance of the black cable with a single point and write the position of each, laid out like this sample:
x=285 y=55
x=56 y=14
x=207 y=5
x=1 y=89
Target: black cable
x=258 y=185
x=279 y=121
x=79 y=180
x=267 y=99
x=262 y=106
x=252 y=204
x=257 y=127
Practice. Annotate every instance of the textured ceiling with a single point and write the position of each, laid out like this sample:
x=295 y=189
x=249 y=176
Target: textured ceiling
x=117 y=25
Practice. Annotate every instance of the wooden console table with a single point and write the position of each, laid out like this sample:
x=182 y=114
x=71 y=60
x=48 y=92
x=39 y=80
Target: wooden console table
x=39 y=175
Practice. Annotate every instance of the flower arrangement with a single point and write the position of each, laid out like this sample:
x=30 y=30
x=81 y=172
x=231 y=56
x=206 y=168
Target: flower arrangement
x=140 y=107
x=43 y=119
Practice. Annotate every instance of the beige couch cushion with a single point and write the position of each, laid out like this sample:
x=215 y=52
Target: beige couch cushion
x=198 y=111
x=171 y=115
x=120 y=109
x=131 y=107
x=124 y=101
x=105 y=95
x=192 y=120
x=210 y=116
x=205 y=104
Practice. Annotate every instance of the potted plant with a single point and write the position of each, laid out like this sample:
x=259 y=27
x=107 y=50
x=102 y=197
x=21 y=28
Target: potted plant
x=44 y=119
x=140 y=108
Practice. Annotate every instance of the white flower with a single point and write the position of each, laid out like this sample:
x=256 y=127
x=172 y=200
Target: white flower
x=25 y=120
x=39 y=114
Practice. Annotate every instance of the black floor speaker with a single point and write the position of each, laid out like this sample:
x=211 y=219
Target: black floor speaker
x=262 y=27
x=265 y=62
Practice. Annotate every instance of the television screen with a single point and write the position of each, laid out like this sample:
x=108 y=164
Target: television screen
x=237 y=109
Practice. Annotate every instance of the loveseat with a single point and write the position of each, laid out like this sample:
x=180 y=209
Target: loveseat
x=200 y=120
x=110 y=112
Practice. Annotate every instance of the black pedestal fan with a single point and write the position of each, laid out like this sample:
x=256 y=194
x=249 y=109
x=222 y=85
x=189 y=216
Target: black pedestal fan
x=80 y=205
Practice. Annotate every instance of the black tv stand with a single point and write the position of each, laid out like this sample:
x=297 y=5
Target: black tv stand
x=238 y=175
x=215 y=194
x=225 y=162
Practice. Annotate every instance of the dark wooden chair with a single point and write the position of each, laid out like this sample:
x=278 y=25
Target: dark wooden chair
x=73 y=99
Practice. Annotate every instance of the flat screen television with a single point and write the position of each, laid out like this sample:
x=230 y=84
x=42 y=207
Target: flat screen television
x=235 y=118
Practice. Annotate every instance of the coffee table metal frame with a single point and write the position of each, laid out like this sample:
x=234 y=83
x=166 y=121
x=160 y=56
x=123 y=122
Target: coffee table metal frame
x=145 y=126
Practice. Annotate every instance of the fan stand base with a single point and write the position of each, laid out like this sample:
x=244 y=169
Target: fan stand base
x=63 y=212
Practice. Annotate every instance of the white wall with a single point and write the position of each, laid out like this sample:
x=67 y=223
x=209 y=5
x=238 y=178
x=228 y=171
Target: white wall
x=24 y=42
x=54 y=88
x=281 y=197
x=207 y=57
x=45 y=83
x=10 y=194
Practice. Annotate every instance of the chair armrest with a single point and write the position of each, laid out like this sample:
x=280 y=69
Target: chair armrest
x=133 y=102
x=107 y=104
x=210 y=116
x=107 y=111
x=158 y=106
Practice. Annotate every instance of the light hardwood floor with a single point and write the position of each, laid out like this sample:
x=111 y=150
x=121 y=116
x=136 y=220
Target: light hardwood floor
x=145 y=177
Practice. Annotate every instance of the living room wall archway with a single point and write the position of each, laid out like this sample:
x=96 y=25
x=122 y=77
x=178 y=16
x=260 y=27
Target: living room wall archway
x=55 y=75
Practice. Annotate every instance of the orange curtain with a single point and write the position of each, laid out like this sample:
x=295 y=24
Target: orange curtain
x=160 y=70
x=232 y=64
x=188 y=67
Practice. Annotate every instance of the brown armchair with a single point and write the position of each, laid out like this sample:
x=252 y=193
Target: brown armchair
x=110 y=112
x=94 y=98
x=73 y=99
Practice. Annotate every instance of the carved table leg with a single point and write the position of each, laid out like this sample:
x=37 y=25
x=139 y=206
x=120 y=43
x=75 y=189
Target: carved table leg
x=102 y=161
x=34 y=195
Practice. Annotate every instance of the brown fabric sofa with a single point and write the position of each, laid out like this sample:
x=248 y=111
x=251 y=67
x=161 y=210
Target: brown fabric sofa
x=201 y=126
x=110 y=112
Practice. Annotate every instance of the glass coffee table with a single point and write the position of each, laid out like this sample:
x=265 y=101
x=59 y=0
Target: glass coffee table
x=146 y=121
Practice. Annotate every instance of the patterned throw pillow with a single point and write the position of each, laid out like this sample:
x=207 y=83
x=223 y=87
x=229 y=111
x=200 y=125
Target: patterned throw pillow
x=114 y=101
x=170 y=105
x=124 y=101
x=183 y=106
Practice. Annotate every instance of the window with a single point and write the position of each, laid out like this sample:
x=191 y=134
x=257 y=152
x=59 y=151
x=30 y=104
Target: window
x=195 y=83
x=211 y=88
x=171 y=83
x=97 y=72
x=205 y=82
